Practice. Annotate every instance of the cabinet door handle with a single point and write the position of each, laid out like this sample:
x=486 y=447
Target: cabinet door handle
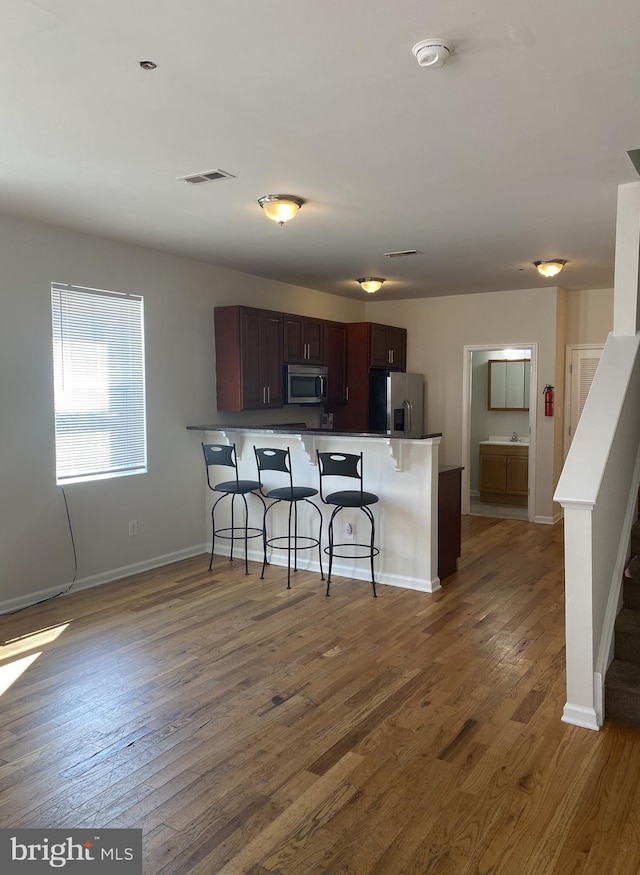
x=264 y=395
x=306 y=350
x=346 y=393
x=268 y=394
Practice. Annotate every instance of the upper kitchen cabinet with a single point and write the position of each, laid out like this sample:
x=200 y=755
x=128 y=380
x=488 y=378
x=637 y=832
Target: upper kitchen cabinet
x=303 y=340
x=388 y=347
x=248 y=358
x=369 y=345
x=335 y=358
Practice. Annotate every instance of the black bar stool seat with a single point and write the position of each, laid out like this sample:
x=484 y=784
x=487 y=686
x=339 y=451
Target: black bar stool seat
x=273 y=459
x=347 y=465
x=225 y=455
x=292 y=493
x=351 y=498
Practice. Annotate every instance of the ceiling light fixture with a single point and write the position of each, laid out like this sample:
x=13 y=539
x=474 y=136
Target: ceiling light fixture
x=432 y=52
x=148 y=65
x=400 y=253
x=550 y=267
x=280 y=207
x=371 y=284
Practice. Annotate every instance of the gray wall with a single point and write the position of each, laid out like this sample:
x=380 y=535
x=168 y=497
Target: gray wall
x=168 y=502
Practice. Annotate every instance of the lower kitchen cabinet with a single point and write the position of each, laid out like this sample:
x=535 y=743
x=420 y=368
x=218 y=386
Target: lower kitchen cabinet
x=449 y=519
x=504 y=474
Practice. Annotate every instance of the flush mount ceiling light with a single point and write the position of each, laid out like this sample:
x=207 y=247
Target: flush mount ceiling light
x=432 y=52
x=371 y=284
x=401 y=253
x=280 y=207
x=550 y=267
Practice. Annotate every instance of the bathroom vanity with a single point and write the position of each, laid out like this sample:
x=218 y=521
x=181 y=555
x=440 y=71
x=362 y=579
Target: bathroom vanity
x=504 y=471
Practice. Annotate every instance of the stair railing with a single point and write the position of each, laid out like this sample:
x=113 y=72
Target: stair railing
x=598 y=490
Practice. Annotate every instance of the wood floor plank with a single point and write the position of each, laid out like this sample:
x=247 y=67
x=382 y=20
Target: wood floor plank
x=247 y=728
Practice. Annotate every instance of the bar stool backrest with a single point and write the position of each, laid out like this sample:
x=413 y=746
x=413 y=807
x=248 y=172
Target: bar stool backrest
x=220 y=454
x=339 y=465
x=272 y=459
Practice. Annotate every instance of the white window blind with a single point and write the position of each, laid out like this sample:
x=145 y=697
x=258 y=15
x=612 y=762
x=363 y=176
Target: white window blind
x=99 y=387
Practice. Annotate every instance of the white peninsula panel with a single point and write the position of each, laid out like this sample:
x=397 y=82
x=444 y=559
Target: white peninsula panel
x=402 y=472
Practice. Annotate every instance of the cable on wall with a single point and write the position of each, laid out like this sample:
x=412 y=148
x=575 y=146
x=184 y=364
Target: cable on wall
x=75 y=565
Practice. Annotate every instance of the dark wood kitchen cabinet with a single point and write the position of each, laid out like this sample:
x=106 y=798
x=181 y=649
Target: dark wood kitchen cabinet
x=449 y=519
x=367 y=344
x=248 y=358
x=388 y=347
x=335 y=359
x=303 y=339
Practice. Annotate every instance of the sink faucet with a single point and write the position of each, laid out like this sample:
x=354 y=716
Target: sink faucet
x=514 y=437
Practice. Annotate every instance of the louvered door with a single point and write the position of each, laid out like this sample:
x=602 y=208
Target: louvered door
x=582 y=364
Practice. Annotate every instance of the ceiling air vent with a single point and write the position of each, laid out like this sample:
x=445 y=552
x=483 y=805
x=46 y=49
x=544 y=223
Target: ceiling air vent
x=400 y=253
x=207 y=176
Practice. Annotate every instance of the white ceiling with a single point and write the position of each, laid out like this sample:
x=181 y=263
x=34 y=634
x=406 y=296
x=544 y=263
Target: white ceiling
x=512 y=152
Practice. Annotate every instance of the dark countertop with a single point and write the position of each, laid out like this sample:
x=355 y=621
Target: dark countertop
x=300 y=428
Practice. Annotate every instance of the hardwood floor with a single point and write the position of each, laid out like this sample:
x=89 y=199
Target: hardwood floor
x=247 y=729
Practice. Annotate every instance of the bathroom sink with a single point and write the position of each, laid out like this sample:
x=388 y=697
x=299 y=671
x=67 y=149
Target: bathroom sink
x=523 y=442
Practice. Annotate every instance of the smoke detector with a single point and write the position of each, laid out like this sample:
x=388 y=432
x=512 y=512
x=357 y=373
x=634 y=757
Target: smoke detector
x=432 y=52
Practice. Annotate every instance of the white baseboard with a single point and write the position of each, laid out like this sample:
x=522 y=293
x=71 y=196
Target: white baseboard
x=9 y=606
x=546 y=520
x=362 y=571
x=578 y=715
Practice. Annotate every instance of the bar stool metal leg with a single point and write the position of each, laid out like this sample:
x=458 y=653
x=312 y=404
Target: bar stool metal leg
x=347 y=465
x=225 y=455
x=273 y=459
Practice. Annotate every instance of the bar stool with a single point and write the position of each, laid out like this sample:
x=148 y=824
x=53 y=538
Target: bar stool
x=225 y=454
x=347 y=465
x=271 y=459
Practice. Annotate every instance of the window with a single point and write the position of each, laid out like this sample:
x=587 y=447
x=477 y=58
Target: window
x=99 y=388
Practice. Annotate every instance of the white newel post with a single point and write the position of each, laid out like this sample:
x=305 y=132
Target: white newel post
x=580 y=707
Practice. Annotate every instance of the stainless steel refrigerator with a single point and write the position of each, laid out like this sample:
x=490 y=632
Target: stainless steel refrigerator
x=396 y=403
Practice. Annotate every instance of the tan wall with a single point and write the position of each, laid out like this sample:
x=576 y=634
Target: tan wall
x=440 y=328
x=588 y=315
x=558 y=384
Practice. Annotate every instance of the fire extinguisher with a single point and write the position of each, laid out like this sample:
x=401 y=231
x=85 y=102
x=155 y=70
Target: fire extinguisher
x=548 y=400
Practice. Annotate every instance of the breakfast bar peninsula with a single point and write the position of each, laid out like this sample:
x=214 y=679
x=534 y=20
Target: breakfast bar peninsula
x=403 y=472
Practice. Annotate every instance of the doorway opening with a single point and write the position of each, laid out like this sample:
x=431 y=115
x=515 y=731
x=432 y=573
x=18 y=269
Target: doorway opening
x=498 y=430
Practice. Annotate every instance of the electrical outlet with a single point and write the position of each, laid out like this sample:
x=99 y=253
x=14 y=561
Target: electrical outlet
x=133 y=528
x=349 y=531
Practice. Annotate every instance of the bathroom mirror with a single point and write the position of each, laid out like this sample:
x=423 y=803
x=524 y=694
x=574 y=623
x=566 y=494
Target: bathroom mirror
x=509 y=384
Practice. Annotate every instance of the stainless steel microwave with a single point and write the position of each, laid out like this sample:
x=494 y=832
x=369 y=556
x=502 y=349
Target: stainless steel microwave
x=305 y=384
